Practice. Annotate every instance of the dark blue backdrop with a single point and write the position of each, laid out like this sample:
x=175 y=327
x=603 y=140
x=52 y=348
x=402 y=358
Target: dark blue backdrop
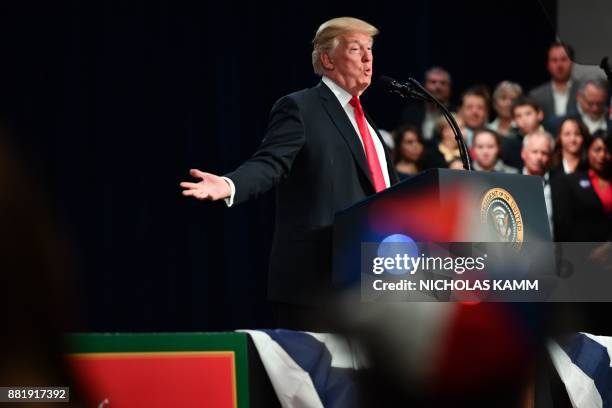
x=113 y=102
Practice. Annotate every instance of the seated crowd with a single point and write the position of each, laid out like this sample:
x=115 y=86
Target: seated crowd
x=560 y=131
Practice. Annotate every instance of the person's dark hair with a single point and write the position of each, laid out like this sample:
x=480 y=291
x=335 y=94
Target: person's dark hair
x=496 y=136
x=557 y=155
x=525 y=100
x=437 y=69
x=568 y=49
x=480 y=90
x=399 y=137
x=598 y=83
x=606 y=139
x=599 y=134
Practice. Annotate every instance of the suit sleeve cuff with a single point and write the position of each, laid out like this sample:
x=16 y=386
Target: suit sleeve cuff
x=229 y=201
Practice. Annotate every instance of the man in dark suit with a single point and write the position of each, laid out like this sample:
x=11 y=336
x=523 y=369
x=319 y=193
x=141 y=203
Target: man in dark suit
x=537 y=149
x=323 y=154
x=557 y=98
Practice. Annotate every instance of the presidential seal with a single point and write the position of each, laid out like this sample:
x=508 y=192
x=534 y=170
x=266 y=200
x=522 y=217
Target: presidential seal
x=501 y=214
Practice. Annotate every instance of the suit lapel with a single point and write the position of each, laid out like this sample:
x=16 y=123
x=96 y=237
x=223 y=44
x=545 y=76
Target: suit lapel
x=550 y=100
x=571 y=101
x=345 y=128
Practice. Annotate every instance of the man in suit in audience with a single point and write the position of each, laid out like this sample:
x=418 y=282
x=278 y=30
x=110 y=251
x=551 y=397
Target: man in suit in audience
x=592 y=98
x=474 y=110
x=324 y=154
x=536 y=154
x=557 y=98
x=425 y=114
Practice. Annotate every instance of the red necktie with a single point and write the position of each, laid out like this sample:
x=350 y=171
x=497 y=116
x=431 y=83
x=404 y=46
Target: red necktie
x=368 y=144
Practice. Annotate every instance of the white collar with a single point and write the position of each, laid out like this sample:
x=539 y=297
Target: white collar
x=587 y=119
x=568 y=87
x=342 y=96
x=546 y=175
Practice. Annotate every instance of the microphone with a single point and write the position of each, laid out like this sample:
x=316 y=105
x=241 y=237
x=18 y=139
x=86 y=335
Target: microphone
x=402 y=89
x=413 y=89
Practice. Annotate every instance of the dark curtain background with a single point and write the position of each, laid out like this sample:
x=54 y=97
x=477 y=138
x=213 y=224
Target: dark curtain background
x=113 y=101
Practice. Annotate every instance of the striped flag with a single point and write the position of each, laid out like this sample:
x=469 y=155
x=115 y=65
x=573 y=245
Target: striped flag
x=308 y=369
x=583 y=364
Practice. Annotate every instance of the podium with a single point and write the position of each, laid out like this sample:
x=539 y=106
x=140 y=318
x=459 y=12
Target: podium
x=441 y=205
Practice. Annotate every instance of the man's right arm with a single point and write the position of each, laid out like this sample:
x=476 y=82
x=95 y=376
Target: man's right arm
x=275 y=156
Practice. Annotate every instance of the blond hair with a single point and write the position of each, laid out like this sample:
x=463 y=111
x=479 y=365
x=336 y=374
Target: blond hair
x=326 y=38
x=441 y=122
x=505 y=88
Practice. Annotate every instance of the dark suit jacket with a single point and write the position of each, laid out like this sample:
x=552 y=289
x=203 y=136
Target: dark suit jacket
x=312 y=153
x=579 y=214
x=543 y=95
x=511 y=147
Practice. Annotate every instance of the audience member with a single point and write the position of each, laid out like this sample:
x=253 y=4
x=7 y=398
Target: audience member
x=448 y=144
x=536 y=154
x=409 y=151
x=528 y=117
x=474 y=110
x=424 y=114
x=569 y=154
x=411 y=155
x=557 y=98
x=486 y=151
x=592 y=97
x=503 y=96
x=584 y=199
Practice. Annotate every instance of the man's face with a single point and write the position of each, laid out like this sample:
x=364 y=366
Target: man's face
x=350 y=63
x=474 y=111
x=438 y=83
x=527 y=118
x=536 y=155
x=593 y=101
x=559 y=65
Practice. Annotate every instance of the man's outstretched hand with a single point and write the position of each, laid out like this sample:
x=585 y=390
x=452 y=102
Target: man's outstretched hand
x=210 y=186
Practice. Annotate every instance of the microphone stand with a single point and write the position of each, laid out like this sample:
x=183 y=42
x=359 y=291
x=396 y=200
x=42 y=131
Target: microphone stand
x=423 y=94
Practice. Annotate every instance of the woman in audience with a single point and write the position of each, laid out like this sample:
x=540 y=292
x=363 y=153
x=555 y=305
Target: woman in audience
x=569 y=151
x=448 y=145
x=412 y=154
x=583 y=202
x=504 y=94
x=486 y=150
x=409 y=151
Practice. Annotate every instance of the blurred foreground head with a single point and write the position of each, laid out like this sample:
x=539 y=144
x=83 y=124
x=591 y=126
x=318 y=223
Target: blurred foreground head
x=36 y=289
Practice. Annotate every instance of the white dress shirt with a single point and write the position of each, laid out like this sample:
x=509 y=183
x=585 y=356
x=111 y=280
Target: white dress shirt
x=343 y=98
x=561 y=99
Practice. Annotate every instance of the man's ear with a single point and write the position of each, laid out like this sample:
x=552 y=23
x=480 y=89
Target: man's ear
x=327 y=61
x=540 y=116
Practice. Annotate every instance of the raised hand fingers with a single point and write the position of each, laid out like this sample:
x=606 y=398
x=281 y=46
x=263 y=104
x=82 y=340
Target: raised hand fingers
x=186 y=184
x=197 y=173
x=197 y=194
